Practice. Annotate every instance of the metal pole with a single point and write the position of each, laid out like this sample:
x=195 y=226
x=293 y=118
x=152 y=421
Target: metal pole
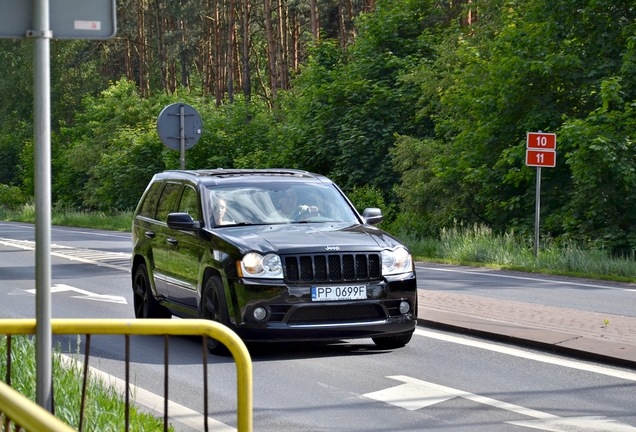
x=182 y=134
x=537 y=212
x=42 y=161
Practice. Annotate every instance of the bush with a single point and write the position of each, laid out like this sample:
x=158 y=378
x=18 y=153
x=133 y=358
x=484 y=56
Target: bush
x=11 y=196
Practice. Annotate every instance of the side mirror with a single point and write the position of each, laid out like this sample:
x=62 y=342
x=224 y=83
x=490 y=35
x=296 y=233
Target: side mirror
x=182 y=221
x=373 y=216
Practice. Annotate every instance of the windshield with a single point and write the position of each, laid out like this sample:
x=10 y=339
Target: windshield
x=267 y=203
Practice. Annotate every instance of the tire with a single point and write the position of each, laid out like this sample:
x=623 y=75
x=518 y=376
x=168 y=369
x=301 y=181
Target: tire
x=144 y=302
x=391 y=342
x=214 y=307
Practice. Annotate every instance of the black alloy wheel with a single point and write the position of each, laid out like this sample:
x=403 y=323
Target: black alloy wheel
x=145 y=304
x=214 y=308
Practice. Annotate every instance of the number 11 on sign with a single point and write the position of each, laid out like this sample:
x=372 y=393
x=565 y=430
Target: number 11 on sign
x=540 y=158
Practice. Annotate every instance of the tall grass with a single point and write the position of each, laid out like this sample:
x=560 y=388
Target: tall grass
x=119 y=221
x=104 y=409
x=478 y=245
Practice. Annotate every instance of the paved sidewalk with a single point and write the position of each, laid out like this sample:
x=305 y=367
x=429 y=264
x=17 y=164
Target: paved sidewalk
x=597 y=336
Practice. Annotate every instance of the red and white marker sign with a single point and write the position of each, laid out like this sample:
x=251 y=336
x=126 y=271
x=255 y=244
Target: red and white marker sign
x=540 y=140
x=540 y=158
x=541 y=149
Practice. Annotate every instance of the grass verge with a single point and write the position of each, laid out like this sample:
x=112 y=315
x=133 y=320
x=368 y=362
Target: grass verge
x=104 y=409
x=120 y=221
x=479 y=246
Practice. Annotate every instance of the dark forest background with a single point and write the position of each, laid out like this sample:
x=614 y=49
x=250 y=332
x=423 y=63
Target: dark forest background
x=420 y=107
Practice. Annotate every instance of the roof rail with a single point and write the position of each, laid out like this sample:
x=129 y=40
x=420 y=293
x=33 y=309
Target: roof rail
x=221 y=172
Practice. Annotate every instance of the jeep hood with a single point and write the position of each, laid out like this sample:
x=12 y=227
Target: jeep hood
x=307 y=238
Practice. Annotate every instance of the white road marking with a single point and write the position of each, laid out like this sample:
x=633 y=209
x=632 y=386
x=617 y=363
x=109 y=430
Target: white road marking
x=420 y=392
x=534 y=279
x=86 y=295
x=578 y=424
x=416 y=394
x=603 y=370
x=152 y=401
x=88 y=256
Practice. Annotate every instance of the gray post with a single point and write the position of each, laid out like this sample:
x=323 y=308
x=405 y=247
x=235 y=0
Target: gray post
x=182 y=134
x=537 y=212
x=42 y=160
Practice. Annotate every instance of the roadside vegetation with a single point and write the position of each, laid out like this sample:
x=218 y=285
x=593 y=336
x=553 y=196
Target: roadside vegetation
x=118 y=221
x=475 y=245
x=104 y=407
x=479 y=246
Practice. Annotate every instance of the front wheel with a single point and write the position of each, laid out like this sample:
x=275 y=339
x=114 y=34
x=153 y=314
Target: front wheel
x=214 y=308
x=144 y=302
x=391 y=342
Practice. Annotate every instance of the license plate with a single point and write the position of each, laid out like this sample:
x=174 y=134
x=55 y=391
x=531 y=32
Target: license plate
x=352 y=292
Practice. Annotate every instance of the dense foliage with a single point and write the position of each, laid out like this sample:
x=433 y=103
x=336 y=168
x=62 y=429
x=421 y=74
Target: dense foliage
x=422 y=109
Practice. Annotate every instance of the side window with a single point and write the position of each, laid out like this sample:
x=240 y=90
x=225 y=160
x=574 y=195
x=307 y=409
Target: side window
x=150 y=202
x=190 y=203
x=168 y=201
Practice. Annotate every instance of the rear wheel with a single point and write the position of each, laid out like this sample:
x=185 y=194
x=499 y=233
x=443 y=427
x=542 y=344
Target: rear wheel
x=214 y=308
x=391 y=342
x=144 y=302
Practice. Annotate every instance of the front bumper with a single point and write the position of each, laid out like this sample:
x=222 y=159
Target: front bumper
x=293 y=316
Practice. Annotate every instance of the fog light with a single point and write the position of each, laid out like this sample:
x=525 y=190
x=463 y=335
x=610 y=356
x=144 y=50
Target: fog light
x=404 y=307
x=259 y=313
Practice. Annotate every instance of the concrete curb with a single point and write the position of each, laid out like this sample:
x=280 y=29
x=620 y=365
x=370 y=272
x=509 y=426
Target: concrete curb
x=574 y=345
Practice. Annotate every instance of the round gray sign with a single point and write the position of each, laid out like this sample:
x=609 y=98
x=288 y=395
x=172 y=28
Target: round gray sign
x=177 y=122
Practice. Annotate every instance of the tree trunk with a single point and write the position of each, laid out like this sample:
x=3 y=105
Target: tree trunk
x=141 y=48
x=218 y=85
x=294 y=44
x=207 y=63
x=271 y=50
x=315 y=26
x=282 y=46
x=229 y=55
x=247 y=85
x=161 y=54
x=185 y=75
x=343 y=31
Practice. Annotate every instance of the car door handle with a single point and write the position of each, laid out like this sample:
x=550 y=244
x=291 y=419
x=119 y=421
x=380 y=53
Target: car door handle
x=149 y=234
x=172 y=241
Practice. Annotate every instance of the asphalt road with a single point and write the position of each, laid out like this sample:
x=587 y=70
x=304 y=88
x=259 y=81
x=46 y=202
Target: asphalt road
x=439 y=381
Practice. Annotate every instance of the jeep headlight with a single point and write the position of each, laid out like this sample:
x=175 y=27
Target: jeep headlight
x=396 y=261
x=256 y=265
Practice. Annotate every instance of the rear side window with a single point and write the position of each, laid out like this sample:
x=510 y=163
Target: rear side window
x=168 y=201
x=150 y=202
x=190 y=203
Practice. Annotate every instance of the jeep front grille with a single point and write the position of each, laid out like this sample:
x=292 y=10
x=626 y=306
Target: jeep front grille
x=332 y=267
x=323 y=314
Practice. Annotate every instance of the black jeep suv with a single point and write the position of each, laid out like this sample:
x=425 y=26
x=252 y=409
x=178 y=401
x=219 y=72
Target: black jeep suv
x=274 y=254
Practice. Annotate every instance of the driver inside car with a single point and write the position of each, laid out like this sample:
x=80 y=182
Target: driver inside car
x=289 y=208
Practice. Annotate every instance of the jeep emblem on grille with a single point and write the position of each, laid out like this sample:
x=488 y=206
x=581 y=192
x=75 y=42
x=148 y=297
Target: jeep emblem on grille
x=332 y=248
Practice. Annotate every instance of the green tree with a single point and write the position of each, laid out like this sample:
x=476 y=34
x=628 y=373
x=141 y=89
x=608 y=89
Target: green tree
x=525 y=65
x=347 y=106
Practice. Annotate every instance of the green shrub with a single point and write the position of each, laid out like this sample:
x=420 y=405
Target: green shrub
x=11 y=196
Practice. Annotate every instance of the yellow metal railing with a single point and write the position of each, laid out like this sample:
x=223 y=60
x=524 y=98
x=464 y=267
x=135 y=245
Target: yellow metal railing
x=155 y=327
x=24 y=412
